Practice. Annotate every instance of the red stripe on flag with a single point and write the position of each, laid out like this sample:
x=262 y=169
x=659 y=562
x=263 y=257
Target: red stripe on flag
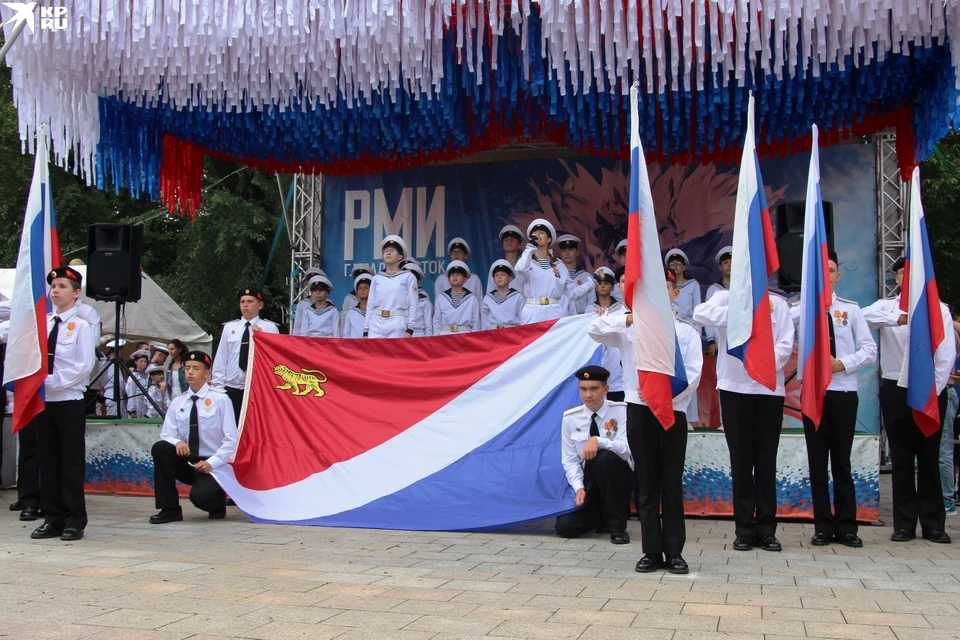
x=28 y=402
x=631 y=269
x=818 y=368
x=760 y=363
x=769 y=243
x=658 y=394
x=373 y=390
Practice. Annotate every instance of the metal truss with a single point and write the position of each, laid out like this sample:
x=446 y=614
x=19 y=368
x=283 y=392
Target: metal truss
x=306 y=224
x=892 y=211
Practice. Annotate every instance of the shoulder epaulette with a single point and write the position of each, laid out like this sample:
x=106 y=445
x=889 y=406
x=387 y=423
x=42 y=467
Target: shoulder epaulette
x=617 y=404
x=847 y=301
x=570 y=412
x=779 y=294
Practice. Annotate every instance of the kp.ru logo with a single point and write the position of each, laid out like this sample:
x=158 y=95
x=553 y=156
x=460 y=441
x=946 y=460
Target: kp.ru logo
x=51 y=18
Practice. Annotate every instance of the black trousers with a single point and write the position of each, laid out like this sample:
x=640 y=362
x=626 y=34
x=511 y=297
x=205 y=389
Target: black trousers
x=168 y=467
x=751 y=425
x=833 y=441
x=911 y=451
x=608 y=482
x=28 y=466
x=658 y=457
x=61 y=435
x=236 y=397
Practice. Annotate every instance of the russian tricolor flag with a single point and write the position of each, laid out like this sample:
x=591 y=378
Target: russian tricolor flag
x=920 y=299
x=750 y=330
x=25 y=365
x=656 y=349
x=815 y=364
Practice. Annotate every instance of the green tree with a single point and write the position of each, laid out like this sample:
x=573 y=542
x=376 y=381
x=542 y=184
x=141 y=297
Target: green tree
x=940 y=190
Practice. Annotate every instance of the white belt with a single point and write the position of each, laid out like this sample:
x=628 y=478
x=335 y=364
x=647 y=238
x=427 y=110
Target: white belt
x=389 y=313
x=456 y=328
x=503 y=326
x=542 y=302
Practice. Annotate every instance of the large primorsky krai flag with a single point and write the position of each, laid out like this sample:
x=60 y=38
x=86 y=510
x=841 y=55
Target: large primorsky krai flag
x=25 y=365
x=749 y=327
x=656 y=351
x=815 y=364
x=458 y=432
x=920 y=299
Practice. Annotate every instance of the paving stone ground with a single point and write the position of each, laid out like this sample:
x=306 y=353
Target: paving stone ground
x=203 y=579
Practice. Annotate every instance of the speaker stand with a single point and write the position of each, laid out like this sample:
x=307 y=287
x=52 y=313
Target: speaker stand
x=119 y=366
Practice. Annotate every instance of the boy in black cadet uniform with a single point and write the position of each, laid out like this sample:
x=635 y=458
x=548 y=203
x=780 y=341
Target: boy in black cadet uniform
x=230 y=369
x=61 y=425
x=852 y=348
x=199 y=434
x=596 y=459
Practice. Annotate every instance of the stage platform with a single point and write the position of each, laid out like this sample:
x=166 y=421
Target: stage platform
x=118 y=462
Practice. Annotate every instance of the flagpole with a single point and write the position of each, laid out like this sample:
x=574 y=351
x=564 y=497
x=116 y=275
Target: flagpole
x=13 y=38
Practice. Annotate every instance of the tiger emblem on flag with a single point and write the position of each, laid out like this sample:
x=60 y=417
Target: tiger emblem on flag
x=294 y=380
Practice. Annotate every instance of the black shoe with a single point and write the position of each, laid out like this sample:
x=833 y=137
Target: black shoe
x=620 y=537
x=220 y=514
x=46 y=530
x=17 y=506
x=821 y=539
x=849 y=540
x=743 y=543
x=676 y=564
x=29 y=514
x=902 y=535
x=769 y=542
x=649 y=563
x=166 y=515
x=937 y=536
x=71 y=534
x=603 y=529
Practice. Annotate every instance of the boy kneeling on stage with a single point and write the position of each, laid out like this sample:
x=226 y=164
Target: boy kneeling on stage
x=199 y=434
x=596 y=459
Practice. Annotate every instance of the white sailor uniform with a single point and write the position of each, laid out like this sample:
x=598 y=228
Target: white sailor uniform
x=353 y=321
x=136 y=402
x=576 y=306
x=392 y=308
x=350 y=301
x=689 y=298
x=543 y=284
x=456 y=313
x=425 y=316
x=154 y=393
x=314 y=322
x=491 y=285
x=501 y=311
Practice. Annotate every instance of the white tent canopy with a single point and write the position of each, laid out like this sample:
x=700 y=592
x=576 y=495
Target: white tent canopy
x=156 y=318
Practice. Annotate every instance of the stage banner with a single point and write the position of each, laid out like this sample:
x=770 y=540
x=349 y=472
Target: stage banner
x=588 y=197
x=708 y=485
x=458 y=432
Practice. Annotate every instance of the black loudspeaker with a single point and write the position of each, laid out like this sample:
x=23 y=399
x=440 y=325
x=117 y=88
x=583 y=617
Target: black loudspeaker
x=113 y=262
x=790 y=241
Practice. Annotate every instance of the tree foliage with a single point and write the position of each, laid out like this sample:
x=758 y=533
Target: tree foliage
x=940 y=191
x=202 y=265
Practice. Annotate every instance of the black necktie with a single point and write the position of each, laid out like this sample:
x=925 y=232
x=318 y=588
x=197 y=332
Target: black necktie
x=194 y=438
x=52 y=343
x=244 y=347
x=594 y=429
x=833 y=338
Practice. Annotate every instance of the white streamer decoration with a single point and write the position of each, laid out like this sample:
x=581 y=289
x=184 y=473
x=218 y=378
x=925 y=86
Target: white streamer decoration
x=246 y=54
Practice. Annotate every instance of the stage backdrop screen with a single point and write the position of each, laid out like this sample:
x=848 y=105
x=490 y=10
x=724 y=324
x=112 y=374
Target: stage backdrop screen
x=588 y=197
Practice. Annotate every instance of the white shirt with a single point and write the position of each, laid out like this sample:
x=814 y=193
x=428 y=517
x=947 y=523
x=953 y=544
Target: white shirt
x=89 y=313
x=576 y=306
x=854 y=343
x=392 y=292
x=688 y=299
x=575 y=432
x=136 y=402
x=73 y=360
x=465 y=316
x=612 y=330
x=216 y=424
x=425 y=317
x=611 y=359
x=895 y=340
x=473 y=285
x=353 y=321
x=501 y=311
x=226 y=365
x=317 y=323
x=731 y=374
